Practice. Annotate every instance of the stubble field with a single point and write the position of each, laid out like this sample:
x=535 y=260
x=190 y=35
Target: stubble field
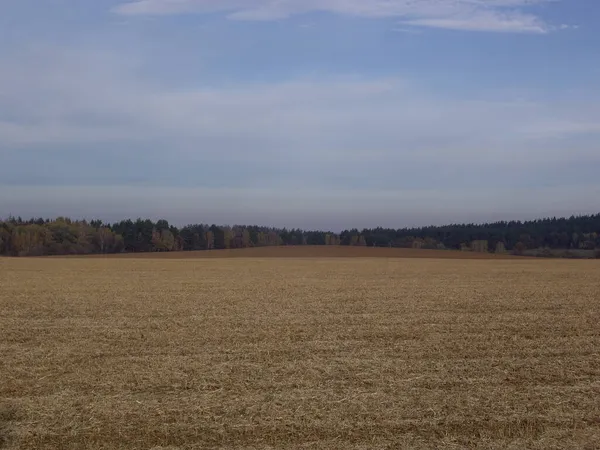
x=300 y=352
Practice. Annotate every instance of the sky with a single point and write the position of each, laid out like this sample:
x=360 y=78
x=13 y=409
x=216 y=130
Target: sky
x=325 y=114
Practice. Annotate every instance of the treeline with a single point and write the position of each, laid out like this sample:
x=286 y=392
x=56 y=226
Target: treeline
x=63 y=236
x=575 y=232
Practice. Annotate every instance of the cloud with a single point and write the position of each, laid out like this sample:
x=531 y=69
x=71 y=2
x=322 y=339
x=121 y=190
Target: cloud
x=487 y=21
x=470 y=15
x=56 y=97
x=561 y=128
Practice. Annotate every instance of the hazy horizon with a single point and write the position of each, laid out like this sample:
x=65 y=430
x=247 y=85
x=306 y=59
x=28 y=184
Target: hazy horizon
x=330 y=211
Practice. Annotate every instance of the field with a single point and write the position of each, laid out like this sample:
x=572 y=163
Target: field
x=303 y=352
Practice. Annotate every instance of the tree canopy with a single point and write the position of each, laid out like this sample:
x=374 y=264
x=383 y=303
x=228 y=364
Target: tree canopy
x=64 y=236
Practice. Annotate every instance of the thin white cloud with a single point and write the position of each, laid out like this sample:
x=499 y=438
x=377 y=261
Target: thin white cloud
x=56 y=97
x=487 y=21
x=561 y=128
x=471 y=15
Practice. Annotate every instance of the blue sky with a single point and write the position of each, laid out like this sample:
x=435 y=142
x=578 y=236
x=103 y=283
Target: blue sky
x=310 y=113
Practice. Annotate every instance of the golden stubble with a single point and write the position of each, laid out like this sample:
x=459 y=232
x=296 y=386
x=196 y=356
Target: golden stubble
x=310 y=353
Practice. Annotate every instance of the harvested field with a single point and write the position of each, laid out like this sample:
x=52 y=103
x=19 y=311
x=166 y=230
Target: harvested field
x=310 y=353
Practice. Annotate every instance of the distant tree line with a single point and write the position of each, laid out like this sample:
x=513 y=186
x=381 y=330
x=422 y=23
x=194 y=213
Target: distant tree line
x=575 y=232
x=63 y=236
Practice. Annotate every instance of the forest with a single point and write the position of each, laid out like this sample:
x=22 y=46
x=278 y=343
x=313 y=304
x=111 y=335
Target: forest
x=64 y=236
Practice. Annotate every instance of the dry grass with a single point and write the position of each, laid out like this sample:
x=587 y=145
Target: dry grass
x=299 y=353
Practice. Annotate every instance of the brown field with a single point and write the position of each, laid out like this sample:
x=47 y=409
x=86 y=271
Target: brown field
x=299 y=353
